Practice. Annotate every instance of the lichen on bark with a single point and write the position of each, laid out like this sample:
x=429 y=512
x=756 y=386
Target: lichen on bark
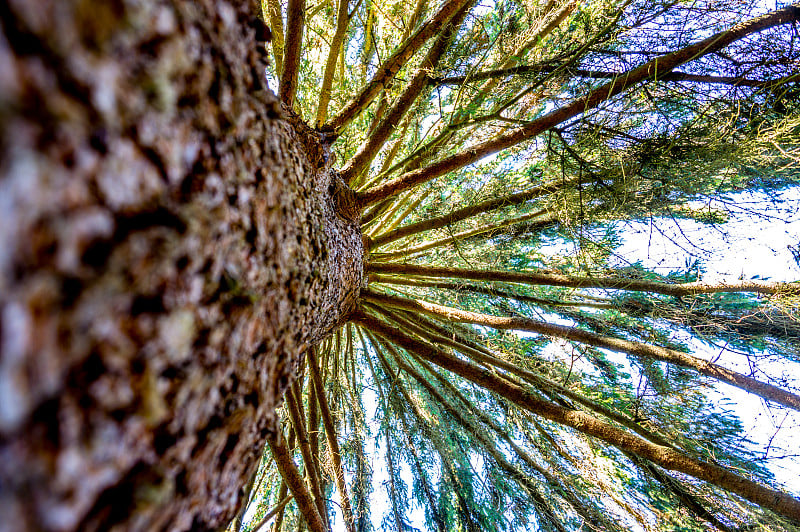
x=169 y=247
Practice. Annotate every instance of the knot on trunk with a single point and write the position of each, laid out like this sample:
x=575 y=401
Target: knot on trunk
x=345 y=201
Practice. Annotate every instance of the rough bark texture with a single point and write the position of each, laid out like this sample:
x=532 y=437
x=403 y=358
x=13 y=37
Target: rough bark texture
x=169 y=246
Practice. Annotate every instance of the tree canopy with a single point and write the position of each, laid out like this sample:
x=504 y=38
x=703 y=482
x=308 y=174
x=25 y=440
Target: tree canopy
x=500 y=385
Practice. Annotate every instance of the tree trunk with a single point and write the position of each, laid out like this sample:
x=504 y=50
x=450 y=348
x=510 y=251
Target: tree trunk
x=170 y=245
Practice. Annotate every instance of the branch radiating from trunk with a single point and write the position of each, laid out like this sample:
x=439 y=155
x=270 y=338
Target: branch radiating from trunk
x=393 y=64
x=779 y=502
x=342 y=21
x=294 y=480
x=592 y=519
x=604 y=74
x=491 y=359
x=484 y=231
x=445 y=453
x=272 y=513
x=295 y=20
x=653 y=69
x=465 y=213
x=488 y=445
x=522 y=50
x=378 y=136
x=704 y=367
x=333 y=442
x=426 y=488
x=275 y=20
x=484 y=290
x=283 y=490
x=570 y=281
x=678 y=490
x=309 y=461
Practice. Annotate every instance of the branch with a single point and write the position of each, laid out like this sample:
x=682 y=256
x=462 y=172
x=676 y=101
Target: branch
x=468 y=212
x=441 y=449
x=516 y=56
x=492 y=359
x=385 y=405
x=313 y=430
x=378 y=136
x=569 y=281
x=600 y=74
x=278 y=507
x=298 y=422
x=407 y=204
x=282 y=491
x=488 y=445
x=393 y=64
x=333 y=442
x=291 y=56
x=398 y=521
x=489 y=291
x=491 y=228
x=666 y=457
x=653 y=70
x=292 y=477
x=591 y=516
x=704 y=367
x=684 y=496
x=275 y=19
x=584 y=302
x=342 y=21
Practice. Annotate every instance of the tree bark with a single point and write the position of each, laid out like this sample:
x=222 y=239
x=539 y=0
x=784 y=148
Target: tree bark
x=170 y=245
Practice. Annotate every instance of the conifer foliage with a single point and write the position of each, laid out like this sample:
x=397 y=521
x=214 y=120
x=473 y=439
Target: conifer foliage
x=487 y=383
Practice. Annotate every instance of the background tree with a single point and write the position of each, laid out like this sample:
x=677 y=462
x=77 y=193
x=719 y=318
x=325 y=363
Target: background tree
x=182 y=248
